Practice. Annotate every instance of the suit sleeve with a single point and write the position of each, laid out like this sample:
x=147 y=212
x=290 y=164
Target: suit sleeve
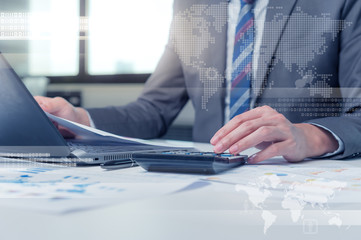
x=163 y=97
x=348 y=126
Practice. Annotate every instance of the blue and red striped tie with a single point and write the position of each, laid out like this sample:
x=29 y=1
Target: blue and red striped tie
x=242 y=60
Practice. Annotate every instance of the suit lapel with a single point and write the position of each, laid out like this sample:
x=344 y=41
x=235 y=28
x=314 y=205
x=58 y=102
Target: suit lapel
x=270 y=42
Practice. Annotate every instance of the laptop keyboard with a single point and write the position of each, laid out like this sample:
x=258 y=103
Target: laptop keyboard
x=106 y=149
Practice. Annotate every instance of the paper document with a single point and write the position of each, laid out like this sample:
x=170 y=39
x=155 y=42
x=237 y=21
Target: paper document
x=314 y=183
x=54 y=189
x=322 y=185
x=79 y=131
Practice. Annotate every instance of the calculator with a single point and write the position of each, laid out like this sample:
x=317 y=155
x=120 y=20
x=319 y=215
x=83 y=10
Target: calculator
x=188 y=161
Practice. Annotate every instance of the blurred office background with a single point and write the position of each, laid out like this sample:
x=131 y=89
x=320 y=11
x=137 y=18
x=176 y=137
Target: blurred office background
x=94 y=53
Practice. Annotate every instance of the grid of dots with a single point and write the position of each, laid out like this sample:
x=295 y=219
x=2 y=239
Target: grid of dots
x=16 y=25
x=191 y=35
x=317 y=107
x=296 y=50
x=321 y=87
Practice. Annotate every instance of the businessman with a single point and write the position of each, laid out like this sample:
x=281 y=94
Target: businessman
x=280 y=75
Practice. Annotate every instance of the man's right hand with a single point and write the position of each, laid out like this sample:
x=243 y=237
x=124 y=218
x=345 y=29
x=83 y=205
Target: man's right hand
x=61 y=108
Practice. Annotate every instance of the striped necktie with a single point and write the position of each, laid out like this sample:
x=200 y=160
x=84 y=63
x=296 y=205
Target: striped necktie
x=242 y=60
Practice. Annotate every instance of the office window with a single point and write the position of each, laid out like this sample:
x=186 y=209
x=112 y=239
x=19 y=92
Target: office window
x=127 y=37
x=54 y=41
x=15 y=50
x=122 y=38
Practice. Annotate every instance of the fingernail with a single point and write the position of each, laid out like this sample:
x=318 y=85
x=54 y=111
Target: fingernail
x=218 y=147
x=214 y=140
x=252 y=158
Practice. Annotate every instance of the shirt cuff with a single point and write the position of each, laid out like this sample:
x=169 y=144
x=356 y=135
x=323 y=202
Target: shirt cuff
x=341 y=145
x=92 y=124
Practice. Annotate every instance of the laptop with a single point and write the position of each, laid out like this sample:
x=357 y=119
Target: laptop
x=27 y=132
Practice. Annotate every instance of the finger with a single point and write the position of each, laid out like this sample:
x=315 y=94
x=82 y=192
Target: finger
x=263 y=134
x=66 y=133
x=47 y=104
x=234 y=123
x=53 y=105
x=41 y=100
x=238 y=120
x=56 y=104
x=273 y=150
x=242 y=131
x=55 y=124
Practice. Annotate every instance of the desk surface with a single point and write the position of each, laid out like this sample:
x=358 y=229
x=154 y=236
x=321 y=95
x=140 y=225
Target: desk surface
x=230 y=207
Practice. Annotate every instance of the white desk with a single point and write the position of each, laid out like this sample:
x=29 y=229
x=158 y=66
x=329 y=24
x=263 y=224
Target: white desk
x=213 y=212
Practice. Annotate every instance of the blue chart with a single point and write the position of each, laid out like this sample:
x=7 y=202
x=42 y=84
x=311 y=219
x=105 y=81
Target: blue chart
x=66 y=189
x=36 y=170
x=53 y=184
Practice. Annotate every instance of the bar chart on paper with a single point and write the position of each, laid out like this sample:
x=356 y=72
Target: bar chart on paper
x=66 y=189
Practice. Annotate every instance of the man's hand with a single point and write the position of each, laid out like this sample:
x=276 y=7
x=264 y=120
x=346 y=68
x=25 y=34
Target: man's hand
x=62 y=108
x=271 y=132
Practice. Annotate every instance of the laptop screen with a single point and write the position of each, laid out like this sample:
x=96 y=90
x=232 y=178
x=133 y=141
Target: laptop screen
x=25 y=130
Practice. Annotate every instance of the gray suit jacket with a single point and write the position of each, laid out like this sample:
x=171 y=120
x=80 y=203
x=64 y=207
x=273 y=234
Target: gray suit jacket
x=309 y=70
